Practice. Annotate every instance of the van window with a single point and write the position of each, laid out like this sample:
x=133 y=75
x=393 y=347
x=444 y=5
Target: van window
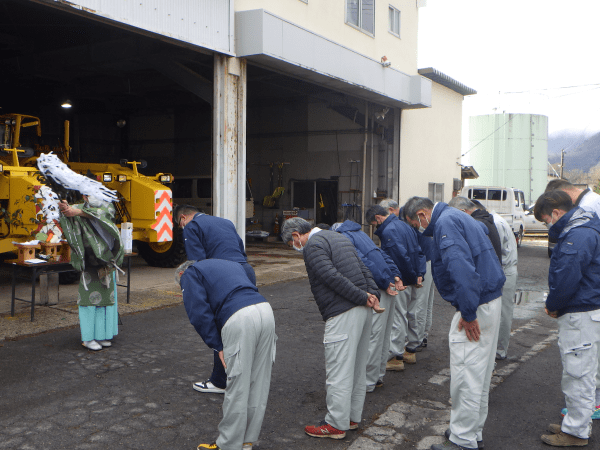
x=182 y=188
x=494 y=194
x=204 y=188
x=479 y=194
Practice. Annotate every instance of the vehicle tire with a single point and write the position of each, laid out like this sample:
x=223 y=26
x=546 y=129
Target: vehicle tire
x=68 y=277
x=164 y=254
x=519 y=237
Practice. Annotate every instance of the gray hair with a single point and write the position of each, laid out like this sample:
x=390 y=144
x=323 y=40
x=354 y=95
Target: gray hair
x=335 y=226
x=388 y=203
x=462 y=203
x=375 y=210
x=181 y=269
x=415 y=204
x=294 y=225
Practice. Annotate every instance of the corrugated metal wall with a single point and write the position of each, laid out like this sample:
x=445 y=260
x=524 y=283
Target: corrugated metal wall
x=510 y=150
x=205 y=23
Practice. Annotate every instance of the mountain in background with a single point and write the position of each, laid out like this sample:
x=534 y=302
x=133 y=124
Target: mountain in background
x=582 y=151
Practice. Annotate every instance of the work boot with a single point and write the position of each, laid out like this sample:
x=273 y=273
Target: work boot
x=563 y=440
x=395 y=364
x=410 y=358
x=554 y=428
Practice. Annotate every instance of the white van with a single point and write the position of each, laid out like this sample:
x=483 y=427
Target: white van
x=197 y=191
x=508 y=202
x=193 y=190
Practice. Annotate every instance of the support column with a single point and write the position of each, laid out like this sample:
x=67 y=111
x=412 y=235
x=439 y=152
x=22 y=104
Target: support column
x=229 y=141
x=395 y=194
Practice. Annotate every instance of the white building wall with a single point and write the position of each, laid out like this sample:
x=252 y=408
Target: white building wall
x=430 y=145
x=205 y=23
x=510 y=150
x=327 y=18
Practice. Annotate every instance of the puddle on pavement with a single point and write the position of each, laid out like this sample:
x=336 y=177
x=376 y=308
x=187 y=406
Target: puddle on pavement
x=528 y=303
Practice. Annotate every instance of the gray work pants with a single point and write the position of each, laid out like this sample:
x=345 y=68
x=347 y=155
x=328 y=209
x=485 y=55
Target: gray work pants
x=508 y=305
x=471 y=365
x=425 y=298
x=249 y=352
x=379 y=342
x=401 y=325
x=579 y=345
x=346 y=344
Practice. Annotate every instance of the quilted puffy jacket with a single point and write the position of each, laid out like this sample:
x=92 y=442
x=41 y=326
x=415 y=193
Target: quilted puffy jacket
x=338 y=278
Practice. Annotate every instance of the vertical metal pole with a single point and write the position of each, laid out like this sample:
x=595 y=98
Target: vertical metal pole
x=128 y=277
x=362 y=215
x=14 y=285
x=562 y=162
x=33 y=280
x=371 y=188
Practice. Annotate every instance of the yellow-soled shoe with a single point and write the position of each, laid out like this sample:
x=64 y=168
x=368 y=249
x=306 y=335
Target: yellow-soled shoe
x=410 y=358
x=212 y=446
x=394 y=365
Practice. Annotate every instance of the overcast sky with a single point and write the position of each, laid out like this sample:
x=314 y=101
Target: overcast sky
x=533 y=47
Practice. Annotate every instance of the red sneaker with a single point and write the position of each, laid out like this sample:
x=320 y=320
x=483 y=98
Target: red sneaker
x=353 y=426
x=324 y=430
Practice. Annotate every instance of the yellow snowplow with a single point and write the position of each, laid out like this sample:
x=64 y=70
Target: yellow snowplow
x=144 y=201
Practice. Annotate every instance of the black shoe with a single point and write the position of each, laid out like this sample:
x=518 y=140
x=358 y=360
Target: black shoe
x=379 y=383
x=447 y=436
x=417 y=349
x=448 y=445
x=424 y=343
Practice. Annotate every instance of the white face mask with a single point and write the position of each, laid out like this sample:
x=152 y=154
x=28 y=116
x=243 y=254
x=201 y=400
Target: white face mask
x=298 y=249
x=421 y=229
x=549 y=225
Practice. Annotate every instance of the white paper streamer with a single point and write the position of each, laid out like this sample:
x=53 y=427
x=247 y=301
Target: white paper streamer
x=51 y=166
x=48 y=204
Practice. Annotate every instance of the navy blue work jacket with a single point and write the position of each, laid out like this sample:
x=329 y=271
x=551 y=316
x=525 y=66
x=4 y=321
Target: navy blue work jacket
x=377 y=261
x=399 y=241
x=210 y=237
x=574 y=275
x=213 y=290
x=466 y=270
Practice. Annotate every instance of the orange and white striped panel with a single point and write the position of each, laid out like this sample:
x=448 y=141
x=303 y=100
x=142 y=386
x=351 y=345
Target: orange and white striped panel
x=163 y=210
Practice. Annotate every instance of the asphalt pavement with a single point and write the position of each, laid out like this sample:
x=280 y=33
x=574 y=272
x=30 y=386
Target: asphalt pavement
x=138 y=394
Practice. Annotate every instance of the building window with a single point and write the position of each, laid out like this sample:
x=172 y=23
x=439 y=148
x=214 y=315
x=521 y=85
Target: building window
x=394 y=21
x=361 y=14
x=436 y=192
